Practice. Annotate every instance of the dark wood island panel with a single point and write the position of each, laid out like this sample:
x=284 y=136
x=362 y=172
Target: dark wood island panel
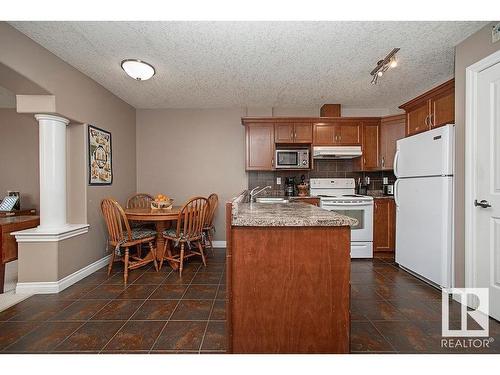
x=8 y=244
x=288 y=289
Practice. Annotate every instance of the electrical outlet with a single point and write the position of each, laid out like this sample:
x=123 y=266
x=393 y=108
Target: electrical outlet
x=278 y=180
x=495 y=33
x=385 y=180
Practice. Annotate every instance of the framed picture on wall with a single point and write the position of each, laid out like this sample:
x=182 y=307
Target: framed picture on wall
x=100 y=156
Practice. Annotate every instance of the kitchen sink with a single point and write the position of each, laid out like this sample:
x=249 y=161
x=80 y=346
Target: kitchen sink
x=271 y=200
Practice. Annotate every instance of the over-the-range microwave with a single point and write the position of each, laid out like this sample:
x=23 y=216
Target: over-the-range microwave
x=292 y=158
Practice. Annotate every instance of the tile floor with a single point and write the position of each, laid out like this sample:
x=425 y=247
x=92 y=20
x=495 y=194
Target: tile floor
x=391 y=312
x=394 y=312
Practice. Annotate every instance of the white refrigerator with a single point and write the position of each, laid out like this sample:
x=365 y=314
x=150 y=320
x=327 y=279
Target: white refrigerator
x=423 y=193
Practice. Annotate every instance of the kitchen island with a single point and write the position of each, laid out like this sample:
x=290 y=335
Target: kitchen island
x=288 y=271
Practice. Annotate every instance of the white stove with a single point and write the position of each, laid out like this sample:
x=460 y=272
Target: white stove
x=338 y=194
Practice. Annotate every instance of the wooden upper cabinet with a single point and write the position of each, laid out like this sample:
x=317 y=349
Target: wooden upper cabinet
x=283 y=133
x=384 y=224
x=293 y=133
x=417 y=119
x=392 y=128
x=443 y=109
x=259 y=146
x=371 y=142
x=324 y=134
x=337 y=134
x=348 y=134
x=303 y=133
x=432 y=109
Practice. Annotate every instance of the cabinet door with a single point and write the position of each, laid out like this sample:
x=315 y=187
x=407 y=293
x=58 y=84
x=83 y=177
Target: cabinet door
x=348 y=134
x=443 y=110
x=324 y=134
x=283 y=133
x=303 y=133
x=417 y=119
x=371 y=142
x=391 y=130
x=384 y=230
x=260 y=147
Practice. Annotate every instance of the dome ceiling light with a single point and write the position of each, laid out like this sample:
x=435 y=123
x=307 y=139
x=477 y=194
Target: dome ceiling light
x=138 y=69
x=390 y=61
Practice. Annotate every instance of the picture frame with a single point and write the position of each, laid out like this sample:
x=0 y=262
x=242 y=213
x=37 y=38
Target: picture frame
x=100 y=156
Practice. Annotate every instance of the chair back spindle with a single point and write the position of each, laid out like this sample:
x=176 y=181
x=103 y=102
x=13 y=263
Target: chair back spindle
x=213 y=201
x=116 y=220
x=192 y=218
x=140 y=200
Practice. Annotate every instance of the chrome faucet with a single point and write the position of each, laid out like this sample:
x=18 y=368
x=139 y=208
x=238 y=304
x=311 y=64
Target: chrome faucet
x=253 y=193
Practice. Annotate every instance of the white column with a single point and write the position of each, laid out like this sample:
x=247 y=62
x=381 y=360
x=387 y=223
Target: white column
x=52 y=143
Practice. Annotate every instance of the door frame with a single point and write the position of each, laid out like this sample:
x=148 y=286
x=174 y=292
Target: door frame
x=471 y=79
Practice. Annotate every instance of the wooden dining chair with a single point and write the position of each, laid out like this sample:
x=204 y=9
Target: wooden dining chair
x=209 y=227
x=188 y=233
x=140 y=200
x=121 y=236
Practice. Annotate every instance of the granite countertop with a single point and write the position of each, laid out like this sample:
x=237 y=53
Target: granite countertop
x=379 y=194
x=286 y=214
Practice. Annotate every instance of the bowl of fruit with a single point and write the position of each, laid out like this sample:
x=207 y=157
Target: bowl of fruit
x=161 y=202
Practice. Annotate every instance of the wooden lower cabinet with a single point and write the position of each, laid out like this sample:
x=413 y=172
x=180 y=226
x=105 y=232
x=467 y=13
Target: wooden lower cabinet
x=8 y=244
x=288 y=289
x=310 y=200
x=384 y=225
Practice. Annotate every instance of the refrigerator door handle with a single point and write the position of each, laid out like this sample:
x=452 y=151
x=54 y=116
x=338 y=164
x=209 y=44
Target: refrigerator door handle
x=395 y=164
x=396 y=193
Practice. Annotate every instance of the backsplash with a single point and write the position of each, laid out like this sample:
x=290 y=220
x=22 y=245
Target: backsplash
x=322 y=169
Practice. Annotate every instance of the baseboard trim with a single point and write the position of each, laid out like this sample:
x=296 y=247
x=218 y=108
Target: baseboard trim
x=50 y=287
x=219 y=244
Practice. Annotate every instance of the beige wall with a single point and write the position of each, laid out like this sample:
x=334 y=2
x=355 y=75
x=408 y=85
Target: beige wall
x=85 y=102
x=187 y=152
x=471 y=50
x=19 y=149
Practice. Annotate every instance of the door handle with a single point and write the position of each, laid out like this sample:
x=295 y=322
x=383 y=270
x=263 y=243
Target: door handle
x=396 y=198
x=395 y=163
x=482 y=204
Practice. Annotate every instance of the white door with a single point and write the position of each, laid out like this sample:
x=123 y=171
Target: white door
x=426 y=154
x=424 y=227
x=487 y=205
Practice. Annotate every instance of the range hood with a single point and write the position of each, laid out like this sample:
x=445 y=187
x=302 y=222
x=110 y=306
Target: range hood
x=336 y=152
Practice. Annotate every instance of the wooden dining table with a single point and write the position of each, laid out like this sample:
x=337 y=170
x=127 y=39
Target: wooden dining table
x=162 y=218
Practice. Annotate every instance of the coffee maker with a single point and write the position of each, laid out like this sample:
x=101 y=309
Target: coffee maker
x=289 y=186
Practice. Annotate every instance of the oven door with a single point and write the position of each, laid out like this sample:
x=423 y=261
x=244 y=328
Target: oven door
x=287 y=159
x=362 y=211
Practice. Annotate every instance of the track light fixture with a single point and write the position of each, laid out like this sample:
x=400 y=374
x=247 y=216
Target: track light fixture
x=390 y=61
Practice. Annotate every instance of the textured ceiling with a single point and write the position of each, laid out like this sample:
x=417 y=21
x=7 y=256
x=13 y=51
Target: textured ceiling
x=280 y=64
x=7 y=98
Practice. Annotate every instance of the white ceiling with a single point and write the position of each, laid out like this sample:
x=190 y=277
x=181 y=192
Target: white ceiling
x=7 y=98
x=279 y=64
